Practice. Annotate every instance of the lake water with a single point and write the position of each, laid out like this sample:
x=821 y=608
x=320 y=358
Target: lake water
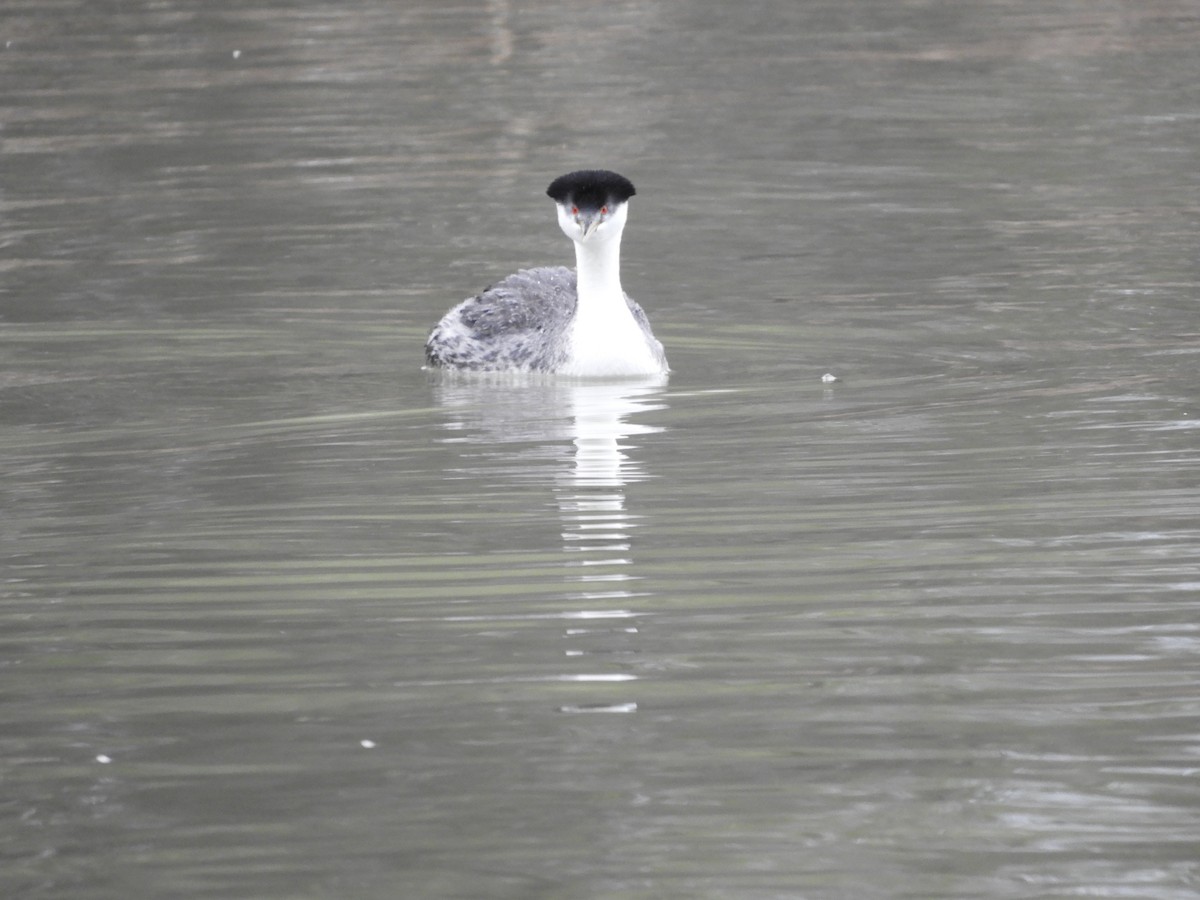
x=284 y=616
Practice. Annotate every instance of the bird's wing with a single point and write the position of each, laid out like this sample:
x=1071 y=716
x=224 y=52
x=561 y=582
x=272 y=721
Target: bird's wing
x=518 y=323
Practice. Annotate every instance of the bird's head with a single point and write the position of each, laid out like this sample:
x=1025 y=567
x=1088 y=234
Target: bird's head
x=592 y=204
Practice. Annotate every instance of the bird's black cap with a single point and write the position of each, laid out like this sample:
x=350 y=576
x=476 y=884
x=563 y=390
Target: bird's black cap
x=591 y=188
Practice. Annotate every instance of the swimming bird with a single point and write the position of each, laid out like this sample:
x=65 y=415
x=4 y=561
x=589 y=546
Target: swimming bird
x=553 y=319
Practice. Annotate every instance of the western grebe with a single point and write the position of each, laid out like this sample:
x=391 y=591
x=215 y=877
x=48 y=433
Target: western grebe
x=552 y=319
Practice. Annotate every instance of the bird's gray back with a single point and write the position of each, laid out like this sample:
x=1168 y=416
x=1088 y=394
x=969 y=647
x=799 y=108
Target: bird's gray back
x=522 y=323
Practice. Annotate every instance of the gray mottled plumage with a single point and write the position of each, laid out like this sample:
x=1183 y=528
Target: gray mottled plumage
x=522 y=323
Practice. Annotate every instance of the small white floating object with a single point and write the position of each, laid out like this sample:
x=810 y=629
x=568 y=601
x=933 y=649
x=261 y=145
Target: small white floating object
x=829 y=378
x=103 y=760
x=367 y=744
x=237 y=54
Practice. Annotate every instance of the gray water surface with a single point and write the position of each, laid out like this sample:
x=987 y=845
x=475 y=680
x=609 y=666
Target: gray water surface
x=284 y=616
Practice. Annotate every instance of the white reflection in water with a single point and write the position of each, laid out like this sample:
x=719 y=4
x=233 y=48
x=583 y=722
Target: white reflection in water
x=514 y=424
x=596 y=525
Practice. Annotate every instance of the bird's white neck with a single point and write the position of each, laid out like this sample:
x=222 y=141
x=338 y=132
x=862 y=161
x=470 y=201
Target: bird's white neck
x=598 y=270
x=605 y=338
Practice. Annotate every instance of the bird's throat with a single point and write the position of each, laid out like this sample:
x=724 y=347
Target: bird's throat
x=598 y=273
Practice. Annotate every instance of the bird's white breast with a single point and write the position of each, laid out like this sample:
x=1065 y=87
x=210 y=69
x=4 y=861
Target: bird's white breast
x=607 y=341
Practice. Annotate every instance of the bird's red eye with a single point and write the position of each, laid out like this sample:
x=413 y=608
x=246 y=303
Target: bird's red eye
x=604 y=210
x=574 y=210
